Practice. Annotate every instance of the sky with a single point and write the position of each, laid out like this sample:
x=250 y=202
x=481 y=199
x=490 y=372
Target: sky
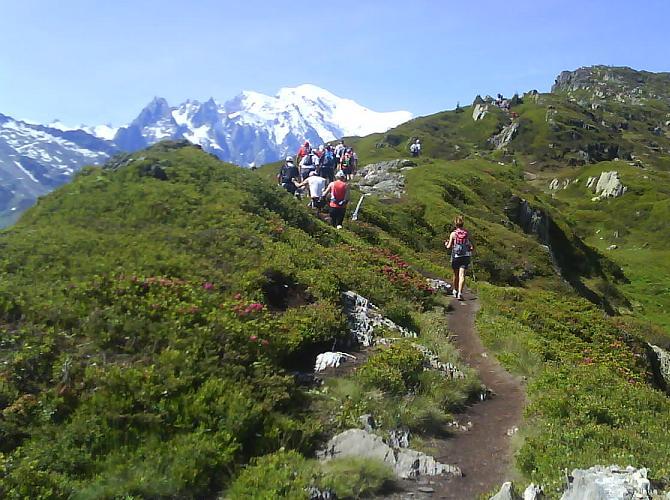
x=99 y=61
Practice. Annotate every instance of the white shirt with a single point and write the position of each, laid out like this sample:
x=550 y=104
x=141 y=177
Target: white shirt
x=316 y=185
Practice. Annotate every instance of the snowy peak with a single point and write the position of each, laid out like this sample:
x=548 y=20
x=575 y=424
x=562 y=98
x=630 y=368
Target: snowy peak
x=254 y=128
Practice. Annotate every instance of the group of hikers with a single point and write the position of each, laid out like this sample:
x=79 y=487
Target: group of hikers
x=323 y=172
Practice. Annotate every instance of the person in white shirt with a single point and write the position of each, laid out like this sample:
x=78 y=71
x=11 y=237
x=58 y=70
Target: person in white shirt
x=316 y=184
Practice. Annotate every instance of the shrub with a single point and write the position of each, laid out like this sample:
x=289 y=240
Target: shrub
x=394 y=369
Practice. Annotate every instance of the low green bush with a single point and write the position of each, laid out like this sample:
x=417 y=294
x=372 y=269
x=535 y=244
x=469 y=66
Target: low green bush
x=394 y=369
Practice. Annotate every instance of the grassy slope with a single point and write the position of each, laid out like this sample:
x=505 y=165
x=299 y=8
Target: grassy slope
x=122 y=363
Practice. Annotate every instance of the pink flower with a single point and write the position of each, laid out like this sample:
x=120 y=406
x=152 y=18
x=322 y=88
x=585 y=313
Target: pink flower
x=253 y=338
x=265 y=343
x=208 y=286
x=238 y=296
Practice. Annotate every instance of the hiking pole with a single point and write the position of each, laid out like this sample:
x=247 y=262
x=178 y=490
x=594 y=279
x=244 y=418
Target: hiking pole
x=358 y=207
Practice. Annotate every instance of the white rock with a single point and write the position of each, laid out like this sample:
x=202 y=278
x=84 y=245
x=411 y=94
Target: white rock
x=364 y=318
x=609 y=483
x=554 y=184
x=533 y=492
x=330 y=360
x=480 y=111
x=609 y=185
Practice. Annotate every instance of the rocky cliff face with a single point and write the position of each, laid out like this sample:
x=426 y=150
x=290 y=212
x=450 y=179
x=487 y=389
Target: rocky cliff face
x=621 y=83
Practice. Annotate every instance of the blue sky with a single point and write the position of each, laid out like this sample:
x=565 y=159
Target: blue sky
x=96 y=61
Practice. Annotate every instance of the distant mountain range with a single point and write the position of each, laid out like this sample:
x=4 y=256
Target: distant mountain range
x=250 y=129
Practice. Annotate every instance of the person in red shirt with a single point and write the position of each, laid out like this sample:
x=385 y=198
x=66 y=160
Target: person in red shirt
x=304 y=150
x=339 y=197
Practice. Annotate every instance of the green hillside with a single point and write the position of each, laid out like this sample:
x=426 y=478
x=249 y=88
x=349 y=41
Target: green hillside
x=161 y=316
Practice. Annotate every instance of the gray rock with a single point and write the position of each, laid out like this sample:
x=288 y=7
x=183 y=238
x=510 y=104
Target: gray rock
x=364 y=318
x=439 y=285
x=480 y=111
x=384 y=179
x=612 y=247
x=367 y=421
x=608 y=483
x=533 y=492
x=505 y=136
x=608 y=186
x=661 y=363
x=554 y=184
x=507 y=492
x=406 y=463
x=399 y=438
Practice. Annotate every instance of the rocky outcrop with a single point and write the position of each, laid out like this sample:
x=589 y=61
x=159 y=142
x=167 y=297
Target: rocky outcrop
x=406 y=463
x=608 y=186
x=480 y=111
x=660 y=362
x=608 y=483
x=505 y=136
x=384 y=178
x=364 y=318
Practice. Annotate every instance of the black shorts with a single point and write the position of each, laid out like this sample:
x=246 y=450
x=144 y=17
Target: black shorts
x=460 y=262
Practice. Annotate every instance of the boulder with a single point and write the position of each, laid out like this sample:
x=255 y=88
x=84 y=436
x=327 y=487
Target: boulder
x=480 y=111
x=533 y=492
x=505 y=136
x=330 y=360
x=661 y=364
x=507 y=492
x=609 y=185
x=608 y=483
x=364 y=318
x=406 y=463
x=384 y=178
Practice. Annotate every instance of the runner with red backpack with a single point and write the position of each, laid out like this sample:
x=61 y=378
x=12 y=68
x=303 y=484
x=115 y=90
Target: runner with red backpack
x=461 y=252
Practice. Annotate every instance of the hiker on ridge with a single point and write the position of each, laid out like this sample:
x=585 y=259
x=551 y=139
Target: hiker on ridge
x=308 y=164
x=461 y=250
x=328 y=163
x=339 y=197
x=316 y=184
x=415 y=148
x=304 y=150
x=287 y=174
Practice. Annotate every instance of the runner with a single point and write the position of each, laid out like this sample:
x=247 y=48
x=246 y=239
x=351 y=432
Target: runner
x=287 y=175
x=461 y=250
x=316 y=185
x=339 y=197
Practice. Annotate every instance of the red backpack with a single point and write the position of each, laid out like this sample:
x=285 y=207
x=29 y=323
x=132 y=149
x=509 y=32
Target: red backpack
x=462 y=244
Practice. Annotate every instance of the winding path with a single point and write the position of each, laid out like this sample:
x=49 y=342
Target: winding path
x=483 y=453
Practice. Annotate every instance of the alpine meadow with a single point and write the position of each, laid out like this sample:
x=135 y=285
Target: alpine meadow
x=164 y=316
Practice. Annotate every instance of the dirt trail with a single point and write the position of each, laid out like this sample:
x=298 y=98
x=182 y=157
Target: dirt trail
x=483 y=453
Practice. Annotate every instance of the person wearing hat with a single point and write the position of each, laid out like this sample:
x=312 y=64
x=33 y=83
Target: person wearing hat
x=316 y=185
x=339 y=197
x=287 y=175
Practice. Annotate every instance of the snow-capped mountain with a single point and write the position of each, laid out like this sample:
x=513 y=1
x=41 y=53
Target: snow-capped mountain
x=254 y=128
x=34 y=159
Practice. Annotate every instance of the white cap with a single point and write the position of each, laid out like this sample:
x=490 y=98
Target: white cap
x=340 y=173
x=289 y=158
